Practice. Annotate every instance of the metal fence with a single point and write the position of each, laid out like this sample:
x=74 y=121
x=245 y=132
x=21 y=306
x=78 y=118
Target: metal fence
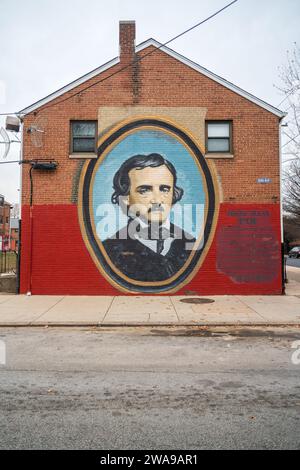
x=8 y=262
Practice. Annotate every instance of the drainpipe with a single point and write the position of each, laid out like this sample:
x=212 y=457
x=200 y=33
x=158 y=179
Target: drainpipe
x=35 y=165
x=30 y=233
x=283 y=268
x=20 y=209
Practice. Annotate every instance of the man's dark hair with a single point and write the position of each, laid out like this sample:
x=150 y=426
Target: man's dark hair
x=121 y=183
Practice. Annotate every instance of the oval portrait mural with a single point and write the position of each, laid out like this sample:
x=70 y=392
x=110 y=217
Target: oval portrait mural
x=147 y=206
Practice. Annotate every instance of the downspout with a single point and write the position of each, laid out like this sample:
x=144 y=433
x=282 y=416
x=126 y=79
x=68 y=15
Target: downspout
x=30 y=233
x=20 y=210
x=283 y=267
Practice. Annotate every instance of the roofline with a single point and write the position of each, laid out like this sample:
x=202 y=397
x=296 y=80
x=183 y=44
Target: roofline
x=70 y=86
x=170 y=52
x=213 y=76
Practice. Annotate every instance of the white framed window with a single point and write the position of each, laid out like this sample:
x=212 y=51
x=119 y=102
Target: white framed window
x=219 y=137
x=83 y=137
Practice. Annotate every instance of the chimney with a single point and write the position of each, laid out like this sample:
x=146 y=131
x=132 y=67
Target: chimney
x=127 y=41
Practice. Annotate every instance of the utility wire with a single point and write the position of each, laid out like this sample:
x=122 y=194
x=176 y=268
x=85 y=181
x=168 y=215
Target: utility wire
x=289 y=136
x=286 y=97
x=293 y=138
x=138 y=59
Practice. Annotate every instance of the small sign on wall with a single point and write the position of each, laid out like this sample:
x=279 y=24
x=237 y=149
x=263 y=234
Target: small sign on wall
x=263 y=180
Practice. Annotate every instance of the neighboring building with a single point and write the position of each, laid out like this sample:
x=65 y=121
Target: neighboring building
x=14 y=234
x=4 y=224
x=157 y=130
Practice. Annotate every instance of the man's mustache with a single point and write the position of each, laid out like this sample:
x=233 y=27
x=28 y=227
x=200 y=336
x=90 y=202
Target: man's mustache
x=156 y=208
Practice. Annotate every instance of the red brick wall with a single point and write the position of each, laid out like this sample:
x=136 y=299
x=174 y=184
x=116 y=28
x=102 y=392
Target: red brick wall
x=60 y=262
x=234 y=264
x=5 y=217
x=255 y=135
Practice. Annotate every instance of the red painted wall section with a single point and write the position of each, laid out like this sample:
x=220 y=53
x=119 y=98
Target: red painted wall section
x=244 y=256
x=61 y=263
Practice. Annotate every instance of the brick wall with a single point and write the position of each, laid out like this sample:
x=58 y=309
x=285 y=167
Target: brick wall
x=255 y=130
x=4 y=219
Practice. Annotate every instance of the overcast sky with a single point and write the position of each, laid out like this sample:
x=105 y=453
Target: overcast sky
x=45 y=44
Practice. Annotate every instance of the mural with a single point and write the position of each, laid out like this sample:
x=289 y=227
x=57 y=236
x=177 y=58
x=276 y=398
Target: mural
x=147 y=206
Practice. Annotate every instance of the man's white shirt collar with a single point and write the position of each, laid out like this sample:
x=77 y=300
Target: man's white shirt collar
x=152 y=244
x=143 y=224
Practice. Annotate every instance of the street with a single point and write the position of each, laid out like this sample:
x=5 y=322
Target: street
x=293 y=269
x=295 y=262
x=149 y=388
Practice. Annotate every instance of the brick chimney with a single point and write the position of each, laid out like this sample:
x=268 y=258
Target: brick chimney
x=127 y=41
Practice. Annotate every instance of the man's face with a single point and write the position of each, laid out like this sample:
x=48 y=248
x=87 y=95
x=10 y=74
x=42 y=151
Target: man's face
x=151 y=193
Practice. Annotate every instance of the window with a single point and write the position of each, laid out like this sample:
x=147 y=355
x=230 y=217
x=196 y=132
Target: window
x=219 y=137
x=83 y=136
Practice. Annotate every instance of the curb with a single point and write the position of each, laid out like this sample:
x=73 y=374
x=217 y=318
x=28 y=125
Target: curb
x=148 y=325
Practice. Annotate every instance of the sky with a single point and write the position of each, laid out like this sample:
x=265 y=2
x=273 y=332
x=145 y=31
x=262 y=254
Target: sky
x=46 y=44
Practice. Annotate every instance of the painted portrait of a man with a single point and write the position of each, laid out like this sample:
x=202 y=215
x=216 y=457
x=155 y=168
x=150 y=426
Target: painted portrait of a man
x=150 y=248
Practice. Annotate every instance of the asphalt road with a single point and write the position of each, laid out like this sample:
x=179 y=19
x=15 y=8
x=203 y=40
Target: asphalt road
x=293 y=274
x=149 y=389
x=293 y=262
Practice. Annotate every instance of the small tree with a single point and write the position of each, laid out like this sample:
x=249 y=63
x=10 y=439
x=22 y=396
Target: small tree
x=291 y=232
x=290 y=79
x=15 y=211
x=291 y=201
x=290 y=88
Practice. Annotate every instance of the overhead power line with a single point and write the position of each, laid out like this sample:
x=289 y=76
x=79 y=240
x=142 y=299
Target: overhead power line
x=292 y=138
x=286 y=97
x=138 y=59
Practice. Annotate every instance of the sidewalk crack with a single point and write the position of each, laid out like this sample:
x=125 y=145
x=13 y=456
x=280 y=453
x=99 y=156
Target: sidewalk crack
x=106 y=313
x=252 y=309
x=174 y=309
x=48 y=310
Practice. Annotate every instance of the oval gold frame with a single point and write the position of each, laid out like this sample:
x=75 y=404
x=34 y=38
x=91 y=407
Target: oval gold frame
x=113 y=143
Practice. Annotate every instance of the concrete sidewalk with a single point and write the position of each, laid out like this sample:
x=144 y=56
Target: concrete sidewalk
x=150 y=310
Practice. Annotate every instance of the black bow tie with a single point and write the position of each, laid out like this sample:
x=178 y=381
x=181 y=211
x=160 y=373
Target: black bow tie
x=153 y=233
x=160 y=246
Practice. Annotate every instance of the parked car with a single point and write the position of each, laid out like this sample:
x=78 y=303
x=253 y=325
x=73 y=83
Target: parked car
x=294 y=252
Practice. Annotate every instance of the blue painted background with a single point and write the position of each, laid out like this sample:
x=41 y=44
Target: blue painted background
x=144 y=142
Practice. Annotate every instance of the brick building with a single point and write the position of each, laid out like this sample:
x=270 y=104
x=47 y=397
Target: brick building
x=14 y=234
x=4 y=224
x=152 y=125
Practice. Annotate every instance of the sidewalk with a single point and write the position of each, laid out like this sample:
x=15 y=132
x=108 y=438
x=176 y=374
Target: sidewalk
x=150 y=310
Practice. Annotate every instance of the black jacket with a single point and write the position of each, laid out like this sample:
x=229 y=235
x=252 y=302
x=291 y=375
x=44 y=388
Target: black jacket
x=139 y=262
